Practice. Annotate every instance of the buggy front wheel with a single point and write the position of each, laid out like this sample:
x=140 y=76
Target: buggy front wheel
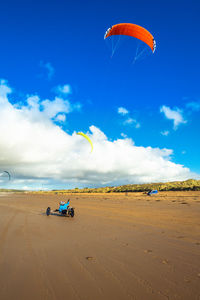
x=48 y=211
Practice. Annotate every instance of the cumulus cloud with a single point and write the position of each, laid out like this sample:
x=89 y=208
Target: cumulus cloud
x=33 y=148
x=52 y=108
x=176 y=115
x=122 y=111
x=48 y=68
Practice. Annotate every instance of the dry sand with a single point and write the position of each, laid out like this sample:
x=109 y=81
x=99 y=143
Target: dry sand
x=116 y=247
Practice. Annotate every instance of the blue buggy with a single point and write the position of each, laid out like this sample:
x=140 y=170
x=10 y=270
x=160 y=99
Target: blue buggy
x=64 y=210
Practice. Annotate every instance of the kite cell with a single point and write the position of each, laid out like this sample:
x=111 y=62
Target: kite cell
x=133 y=30
x=87 y=138
x=7 y=174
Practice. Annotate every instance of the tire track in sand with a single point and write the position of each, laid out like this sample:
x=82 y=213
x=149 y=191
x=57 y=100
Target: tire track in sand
x=3 y=235
x=41 y=276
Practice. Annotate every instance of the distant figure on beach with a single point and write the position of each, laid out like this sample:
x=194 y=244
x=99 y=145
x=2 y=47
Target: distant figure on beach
x=152 y=192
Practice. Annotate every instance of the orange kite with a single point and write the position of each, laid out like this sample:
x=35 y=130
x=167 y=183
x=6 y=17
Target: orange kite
x=134 y=31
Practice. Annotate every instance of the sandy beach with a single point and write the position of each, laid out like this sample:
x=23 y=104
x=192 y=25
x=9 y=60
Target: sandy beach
x=116 y=247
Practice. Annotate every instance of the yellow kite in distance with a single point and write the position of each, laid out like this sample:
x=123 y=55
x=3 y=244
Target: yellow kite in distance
x=87 y=138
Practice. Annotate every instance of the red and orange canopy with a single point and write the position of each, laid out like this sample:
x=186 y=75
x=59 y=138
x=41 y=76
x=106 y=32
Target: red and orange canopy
x=134 y=31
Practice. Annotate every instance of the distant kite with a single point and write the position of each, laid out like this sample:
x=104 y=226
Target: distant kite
x=9 y=176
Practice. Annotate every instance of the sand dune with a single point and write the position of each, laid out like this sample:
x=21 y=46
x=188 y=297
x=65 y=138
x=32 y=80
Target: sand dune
x=116 y=247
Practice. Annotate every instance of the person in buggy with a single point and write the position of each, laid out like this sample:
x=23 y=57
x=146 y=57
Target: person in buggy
x=63 y=206
x=64 y=209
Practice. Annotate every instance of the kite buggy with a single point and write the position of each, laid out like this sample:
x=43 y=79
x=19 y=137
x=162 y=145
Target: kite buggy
x=64 y=210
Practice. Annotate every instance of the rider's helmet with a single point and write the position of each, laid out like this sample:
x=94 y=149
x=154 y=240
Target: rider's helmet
x=62 y=202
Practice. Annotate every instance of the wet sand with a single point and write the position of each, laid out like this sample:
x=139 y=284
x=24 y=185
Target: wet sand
x=116 y=247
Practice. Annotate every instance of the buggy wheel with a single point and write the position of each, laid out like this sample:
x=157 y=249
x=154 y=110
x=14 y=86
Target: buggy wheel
x=48 y=211
x=72 y=212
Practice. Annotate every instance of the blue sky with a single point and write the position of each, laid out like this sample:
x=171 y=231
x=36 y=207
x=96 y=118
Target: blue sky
x=50 y=44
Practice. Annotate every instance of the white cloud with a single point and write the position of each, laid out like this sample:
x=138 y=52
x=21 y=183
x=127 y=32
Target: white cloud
x=60 y=118
x=33 y=102
x=195 y=106
x=173 y=114
x=52 y=108
x=165 y=132
x=122 y=111
x=33 y=149
x=4 y=90
x=124 y=135
x=131 y=121
x=137 y=125
x=63 y=89
x=48 y=68
x=26 y=188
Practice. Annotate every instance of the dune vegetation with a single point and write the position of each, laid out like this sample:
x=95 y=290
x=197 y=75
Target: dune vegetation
x=187 y=185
